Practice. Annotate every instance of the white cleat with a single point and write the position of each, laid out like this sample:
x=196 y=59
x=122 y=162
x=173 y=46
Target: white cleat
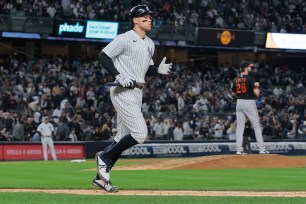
x=264 y=152
x=105 y=186
x=241 y=153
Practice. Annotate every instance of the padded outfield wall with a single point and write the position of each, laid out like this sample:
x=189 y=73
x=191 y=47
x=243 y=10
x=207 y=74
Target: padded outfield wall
x=85 y=150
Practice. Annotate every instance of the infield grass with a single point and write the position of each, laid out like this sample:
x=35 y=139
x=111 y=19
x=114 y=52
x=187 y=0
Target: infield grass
x=67 y=175
x=45 y=198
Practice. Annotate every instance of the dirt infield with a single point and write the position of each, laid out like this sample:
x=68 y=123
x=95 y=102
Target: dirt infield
x=166 y=193
x=214 y=162
x=206 y=162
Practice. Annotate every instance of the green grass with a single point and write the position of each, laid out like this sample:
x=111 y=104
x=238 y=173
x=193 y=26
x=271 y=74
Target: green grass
x=67 y=175
x=45 y=198
x=64 y=174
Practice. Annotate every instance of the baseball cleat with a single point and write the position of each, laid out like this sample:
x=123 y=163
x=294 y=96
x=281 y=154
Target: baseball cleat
x=264 y=152
x=103 y=168
x=241 y=153
x=105 y=186
x=98 y=153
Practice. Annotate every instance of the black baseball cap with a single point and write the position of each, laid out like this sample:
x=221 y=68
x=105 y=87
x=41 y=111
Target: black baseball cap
x=244 y=64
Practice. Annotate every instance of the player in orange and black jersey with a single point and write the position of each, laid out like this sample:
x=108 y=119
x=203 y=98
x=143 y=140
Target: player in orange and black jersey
x=245 y=89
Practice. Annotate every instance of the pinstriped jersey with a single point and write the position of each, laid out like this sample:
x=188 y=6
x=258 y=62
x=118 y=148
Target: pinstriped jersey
x=131 y=55
x=46 y=129
x=243 y=87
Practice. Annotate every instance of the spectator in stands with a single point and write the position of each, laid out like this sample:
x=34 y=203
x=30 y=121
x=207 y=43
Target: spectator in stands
x=218 y=130
x=75 y=124
x=188 y=131
x=30 y=130
x=9 y=123
x=302 y=130
x=285 y=124
x=65 y=117
x=178 y=131
x=107 y=130
x=61 y=131
x=51 y=11
x=88 y=133
x=165 y=126
x=56 y=114
x=97 y=135
x=72 y=136
x=293 y=131
x=231 y=131
x=170 y=134
x=268 y=128
x=158 y=129
x=2 y=121
x=96 y=121
x=180 y=102
x=205 y=132
x=18 y=131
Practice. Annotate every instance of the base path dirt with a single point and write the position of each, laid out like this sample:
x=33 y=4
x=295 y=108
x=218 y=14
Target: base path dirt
x=214 y=162
x=165 y=193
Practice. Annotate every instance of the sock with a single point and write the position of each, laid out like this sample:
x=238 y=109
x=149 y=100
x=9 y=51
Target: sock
x=115 y=151
x=110 y=146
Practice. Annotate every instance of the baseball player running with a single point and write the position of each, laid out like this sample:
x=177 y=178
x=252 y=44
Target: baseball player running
x=128 y=58
x=246 y=90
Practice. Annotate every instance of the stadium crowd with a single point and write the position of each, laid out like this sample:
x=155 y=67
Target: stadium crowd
x=266 y=15
x=194 y=102
x=72 y=91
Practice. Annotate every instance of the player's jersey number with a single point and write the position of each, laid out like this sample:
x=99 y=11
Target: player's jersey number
x=241 y=88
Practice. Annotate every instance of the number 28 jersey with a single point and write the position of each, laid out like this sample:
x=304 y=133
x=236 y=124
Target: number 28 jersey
x=243 y=87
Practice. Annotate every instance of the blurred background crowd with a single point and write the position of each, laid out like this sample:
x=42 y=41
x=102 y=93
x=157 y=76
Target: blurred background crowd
x=266 y=15
x=193 y=103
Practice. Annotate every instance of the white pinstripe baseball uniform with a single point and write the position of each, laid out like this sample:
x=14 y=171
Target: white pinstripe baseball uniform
x=46 y=129
x=132 y=57
x=128 y=58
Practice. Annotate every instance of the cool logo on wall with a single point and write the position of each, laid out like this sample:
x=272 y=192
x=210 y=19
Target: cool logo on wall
x=77 y=28
x=176 y=150
x=139 y=151
x=226 y=37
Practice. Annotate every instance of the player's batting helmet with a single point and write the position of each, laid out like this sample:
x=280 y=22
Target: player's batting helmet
x=139 y=10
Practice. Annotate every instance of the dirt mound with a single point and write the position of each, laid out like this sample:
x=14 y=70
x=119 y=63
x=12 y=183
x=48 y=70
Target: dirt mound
x=214 y=162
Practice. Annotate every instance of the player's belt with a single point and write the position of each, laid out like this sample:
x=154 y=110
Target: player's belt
x=136 y=84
